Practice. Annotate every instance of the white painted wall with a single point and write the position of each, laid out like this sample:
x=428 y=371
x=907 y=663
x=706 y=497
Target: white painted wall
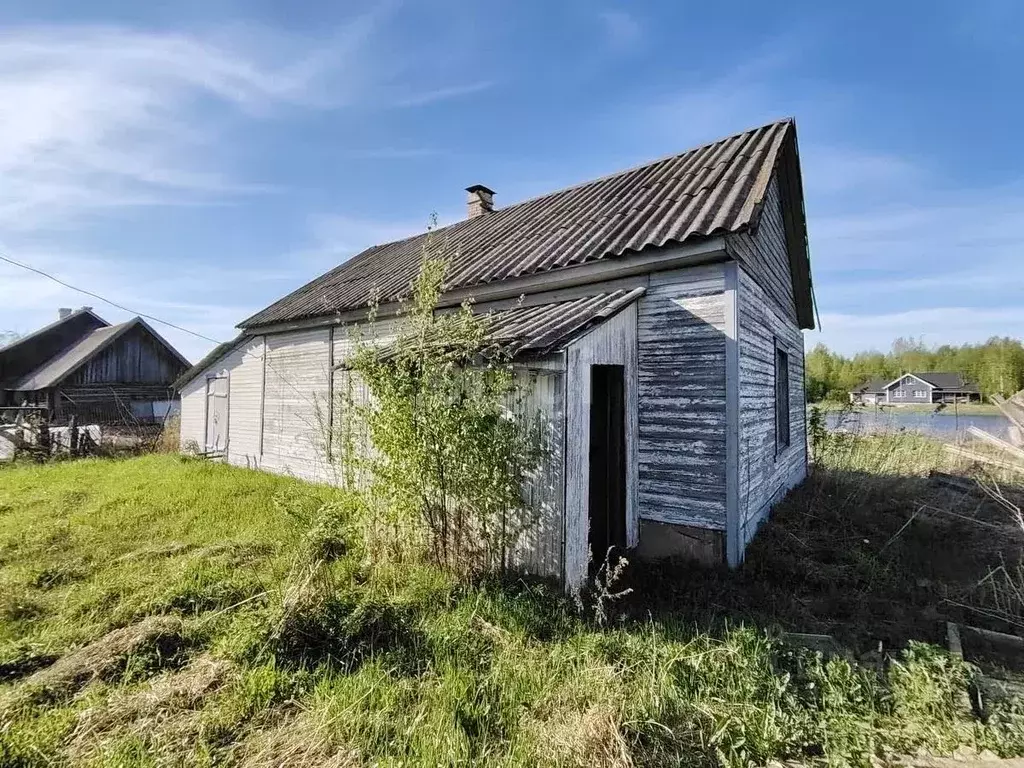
x=278 y=424
x=296 y=404
x=614 y=342
x=244 y=367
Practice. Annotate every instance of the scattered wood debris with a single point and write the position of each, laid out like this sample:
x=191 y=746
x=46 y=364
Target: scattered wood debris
x=1011 y=452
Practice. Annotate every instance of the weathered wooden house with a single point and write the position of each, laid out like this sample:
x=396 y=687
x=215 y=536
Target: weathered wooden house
x=83 y=366
x=916 y=389
x=657 y=315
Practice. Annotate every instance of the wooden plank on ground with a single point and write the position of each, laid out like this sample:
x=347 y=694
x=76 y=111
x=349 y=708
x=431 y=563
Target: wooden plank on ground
x=983 y=459
x=1002 y=445
x=1012 y=409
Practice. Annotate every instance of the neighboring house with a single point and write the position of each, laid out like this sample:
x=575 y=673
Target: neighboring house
x=83 y=366
x=916 y=389
x=656 y=313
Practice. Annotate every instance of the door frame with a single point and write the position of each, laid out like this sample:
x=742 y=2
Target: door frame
x=206 y=411
x=608 y=414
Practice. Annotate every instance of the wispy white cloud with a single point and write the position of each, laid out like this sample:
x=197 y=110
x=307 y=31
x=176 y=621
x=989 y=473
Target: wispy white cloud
x=622 y=30
x=433 y=95
x=391 y=153
x=333 y=238
x=95 y=118
x=709 y=105
x=833 y=169
x=935 y=325
x=928 y=234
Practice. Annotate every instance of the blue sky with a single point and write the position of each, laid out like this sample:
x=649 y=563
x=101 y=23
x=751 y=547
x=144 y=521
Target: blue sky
x=197 y=160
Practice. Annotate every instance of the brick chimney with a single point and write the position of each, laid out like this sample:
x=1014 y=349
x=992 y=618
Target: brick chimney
x=64 y=312
x=481 y=200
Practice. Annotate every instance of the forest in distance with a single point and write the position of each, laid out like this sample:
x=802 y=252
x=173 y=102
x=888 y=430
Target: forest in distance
x=996 y=366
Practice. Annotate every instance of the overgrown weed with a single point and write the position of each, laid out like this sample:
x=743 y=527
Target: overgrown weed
x=302 y=648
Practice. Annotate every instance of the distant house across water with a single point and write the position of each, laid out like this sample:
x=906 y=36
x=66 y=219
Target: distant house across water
x=916 y=389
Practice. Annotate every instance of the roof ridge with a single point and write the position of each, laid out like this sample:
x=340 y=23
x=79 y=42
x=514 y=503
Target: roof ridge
x=50 y=326
x=710 y=190
x=649 y=163
x=581 y=184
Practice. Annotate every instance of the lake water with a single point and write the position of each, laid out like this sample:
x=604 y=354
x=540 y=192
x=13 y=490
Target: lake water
x=944 y=424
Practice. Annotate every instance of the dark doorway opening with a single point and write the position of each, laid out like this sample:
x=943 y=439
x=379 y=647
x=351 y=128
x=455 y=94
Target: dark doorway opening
x=607 y=499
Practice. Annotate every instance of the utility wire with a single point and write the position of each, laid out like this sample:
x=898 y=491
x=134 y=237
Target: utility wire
x=140 y=314
x=106 y=300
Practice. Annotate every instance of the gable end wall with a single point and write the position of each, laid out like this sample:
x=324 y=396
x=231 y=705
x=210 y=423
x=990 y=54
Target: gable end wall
x=765 y=471
x=764 y=254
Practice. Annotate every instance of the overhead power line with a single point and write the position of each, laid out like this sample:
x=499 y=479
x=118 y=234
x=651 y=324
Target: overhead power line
x=105 y=300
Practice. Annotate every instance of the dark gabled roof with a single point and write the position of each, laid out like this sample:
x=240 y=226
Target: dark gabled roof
x=209 y=359
x=948 y=381
x=872 y=386
x=712 y=190
x=62 y=365
x=33 y=338
x=29 y=352
x=945 y=381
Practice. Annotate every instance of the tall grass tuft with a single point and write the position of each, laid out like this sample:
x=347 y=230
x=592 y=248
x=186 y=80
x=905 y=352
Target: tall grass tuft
x=300 y=649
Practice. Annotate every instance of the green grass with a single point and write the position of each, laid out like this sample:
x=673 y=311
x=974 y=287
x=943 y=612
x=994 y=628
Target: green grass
x=295 y=648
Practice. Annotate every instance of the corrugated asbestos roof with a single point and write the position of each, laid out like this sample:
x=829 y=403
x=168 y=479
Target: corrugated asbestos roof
x=711 y=190
x=523 y=332
x=536 y=331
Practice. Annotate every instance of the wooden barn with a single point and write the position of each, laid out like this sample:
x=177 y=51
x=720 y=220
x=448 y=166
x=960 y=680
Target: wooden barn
x=657 y=315
x=83 y=366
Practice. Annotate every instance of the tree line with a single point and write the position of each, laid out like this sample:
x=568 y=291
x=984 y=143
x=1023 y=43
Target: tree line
x=997 y=366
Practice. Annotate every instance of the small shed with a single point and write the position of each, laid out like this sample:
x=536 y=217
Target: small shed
x=657 y=314
x=83 y=366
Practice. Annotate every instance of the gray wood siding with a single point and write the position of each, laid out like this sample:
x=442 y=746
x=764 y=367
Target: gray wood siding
x=681 y=373
x=135 y=358
x=908 y=385
x=764 y=255
x=614 y=342
x=539 y=548
x=295 y=404
x=764 y=474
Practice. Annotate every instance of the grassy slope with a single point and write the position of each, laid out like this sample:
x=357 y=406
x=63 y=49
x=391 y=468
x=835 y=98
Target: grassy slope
x=288 y=661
